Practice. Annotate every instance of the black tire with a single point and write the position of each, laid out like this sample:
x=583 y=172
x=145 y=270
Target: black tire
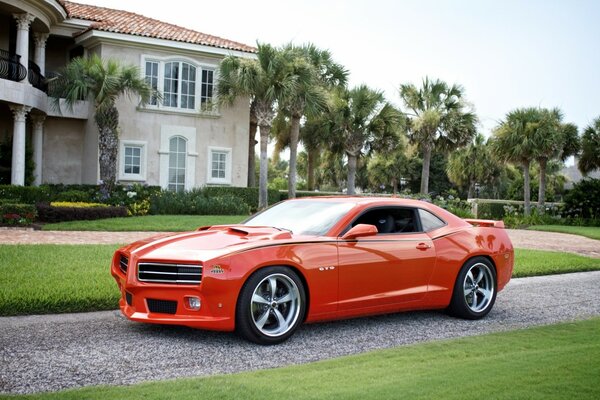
x=269 y=318
x=475 y=289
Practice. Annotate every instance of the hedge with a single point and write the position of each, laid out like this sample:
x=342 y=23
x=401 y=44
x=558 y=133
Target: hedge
x=194 y=202
x=48 y=213
x=248 y=195
x=17 y=214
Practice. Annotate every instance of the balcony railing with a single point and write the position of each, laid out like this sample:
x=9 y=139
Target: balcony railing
x=36 y=78
x=12 y=69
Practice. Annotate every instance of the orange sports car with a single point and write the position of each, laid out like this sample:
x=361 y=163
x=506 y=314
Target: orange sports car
x=315 y=259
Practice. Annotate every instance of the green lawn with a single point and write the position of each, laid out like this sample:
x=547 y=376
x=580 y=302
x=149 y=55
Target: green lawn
x=149 y=223
x=592 y=232
x=541 y=262
x=42 y=279
x=552 y=362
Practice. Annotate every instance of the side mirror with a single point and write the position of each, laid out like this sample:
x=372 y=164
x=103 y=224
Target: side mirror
x=360 y=230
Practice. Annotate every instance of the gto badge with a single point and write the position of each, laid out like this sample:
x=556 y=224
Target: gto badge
x=217 y=269
x=326 y=268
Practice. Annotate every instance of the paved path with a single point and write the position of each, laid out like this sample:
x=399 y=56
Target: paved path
x=520 y=238
x=48 y=353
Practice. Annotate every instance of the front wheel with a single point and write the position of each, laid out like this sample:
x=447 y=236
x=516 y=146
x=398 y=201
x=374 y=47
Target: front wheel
x=474 y=290
x=271 y=305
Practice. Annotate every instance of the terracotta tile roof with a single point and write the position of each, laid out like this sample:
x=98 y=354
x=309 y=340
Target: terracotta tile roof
x=118 y=21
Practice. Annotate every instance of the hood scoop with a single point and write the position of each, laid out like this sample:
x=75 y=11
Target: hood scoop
x=260 y=232
x=249 y=232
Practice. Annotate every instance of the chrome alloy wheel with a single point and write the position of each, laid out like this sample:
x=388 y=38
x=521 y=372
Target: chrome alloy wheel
x=478 y=287
x=275 y=305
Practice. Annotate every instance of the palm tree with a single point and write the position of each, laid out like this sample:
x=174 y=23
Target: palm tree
x=316 y=135
x=590 y=148
x=315 y=72
x=514 y=141
x=439 y=119
x=363 y=120
x=103 y=82
x=387 y=168
x=554 y=139
x=265 y=80
x=473 y=164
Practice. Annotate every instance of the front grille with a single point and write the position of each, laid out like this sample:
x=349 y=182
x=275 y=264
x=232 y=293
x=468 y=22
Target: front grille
x=170 y=273
x=123 y=261
x=129 y=298
x=162 y=306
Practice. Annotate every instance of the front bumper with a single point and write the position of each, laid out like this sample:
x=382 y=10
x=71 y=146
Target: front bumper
x=167 y=304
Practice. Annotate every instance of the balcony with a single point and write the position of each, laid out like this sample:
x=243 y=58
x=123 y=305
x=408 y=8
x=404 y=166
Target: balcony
x=12 y=69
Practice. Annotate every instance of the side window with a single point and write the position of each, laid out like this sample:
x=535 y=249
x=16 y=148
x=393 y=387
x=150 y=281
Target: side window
x=390 y=220
x=429 y=221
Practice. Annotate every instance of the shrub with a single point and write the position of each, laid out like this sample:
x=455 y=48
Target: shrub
x=74 y=196
x=247 y=195
x=49 y=213
x=17 y=214
x=76 y=204
x=583 y=201
x=26 y=194
x=194 y=202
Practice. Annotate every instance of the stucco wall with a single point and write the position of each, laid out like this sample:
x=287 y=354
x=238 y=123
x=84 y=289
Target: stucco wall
x=228 y=129
x=63 y=149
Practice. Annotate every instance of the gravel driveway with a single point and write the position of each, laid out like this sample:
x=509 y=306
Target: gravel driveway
x=48 y=353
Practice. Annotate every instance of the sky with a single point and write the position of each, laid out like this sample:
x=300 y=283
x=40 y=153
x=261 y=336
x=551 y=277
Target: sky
x=505 y=53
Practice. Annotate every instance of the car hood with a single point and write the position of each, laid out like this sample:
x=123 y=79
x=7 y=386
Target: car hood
x=206 y=242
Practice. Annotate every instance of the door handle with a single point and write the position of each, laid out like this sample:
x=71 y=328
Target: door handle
x=423 y=246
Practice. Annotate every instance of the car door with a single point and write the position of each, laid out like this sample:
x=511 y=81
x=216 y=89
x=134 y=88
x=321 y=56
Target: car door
x=392 y=267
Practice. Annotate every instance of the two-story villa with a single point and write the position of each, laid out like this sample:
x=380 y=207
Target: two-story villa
x=179 y=142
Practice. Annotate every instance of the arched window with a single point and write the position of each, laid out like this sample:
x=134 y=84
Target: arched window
x=179 y=85
x=177 y=157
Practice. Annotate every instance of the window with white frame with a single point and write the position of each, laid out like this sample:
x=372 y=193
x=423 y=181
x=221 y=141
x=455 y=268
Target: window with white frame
x=132 y=160
x=177 y=156
x=206 y=94
x=219 y=165
x=178 y=81
x=152 y=79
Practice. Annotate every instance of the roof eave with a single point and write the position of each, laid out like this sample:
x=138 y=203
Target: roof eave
x=91 y=35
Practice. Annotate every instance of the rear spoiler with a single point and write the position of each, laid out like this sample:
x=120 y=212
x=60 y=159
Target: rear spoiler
x=485 y=222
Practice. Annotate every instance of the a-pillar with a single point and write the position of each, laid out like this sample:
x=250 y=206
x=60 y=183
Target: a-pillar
x=39 y=54
x=38 y=142
x=18 y=147
x=23 y=22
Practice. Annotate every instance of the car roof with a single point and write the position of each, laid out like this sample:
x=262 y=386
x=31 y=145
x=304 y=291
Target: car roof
x=364 y=202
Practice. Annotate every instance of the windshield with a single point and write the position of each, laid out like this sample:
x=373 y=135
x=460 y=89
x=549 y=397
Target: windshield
x=306 y=217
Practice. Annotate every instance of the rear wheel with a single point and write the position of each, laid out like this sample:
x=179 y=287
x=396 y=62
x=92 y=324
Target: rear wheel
x=271 y=305
x=474 y=290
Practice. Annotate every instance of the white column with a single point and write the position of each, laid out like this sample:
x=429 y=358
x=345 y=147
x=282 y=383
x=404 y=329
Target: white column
x=23 y=22
x=39 y=55
x=38 y=142
x=18 y=147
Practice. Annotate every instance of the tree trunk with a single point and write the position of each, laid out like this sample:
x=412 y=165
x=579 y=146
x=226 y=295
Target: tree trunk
x=526 y=188
x=107 y=121
x=310 y=169
x=263 y=195
x=351 y=173
x=425 y=170
x=294 y=135
x=542 y=190
x=252 y=152
x=470 y=190
x=394 y=184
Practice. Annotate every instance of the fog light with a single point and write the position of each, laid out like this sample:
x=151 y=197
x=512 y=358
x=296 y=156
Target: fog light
x=193 y=303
